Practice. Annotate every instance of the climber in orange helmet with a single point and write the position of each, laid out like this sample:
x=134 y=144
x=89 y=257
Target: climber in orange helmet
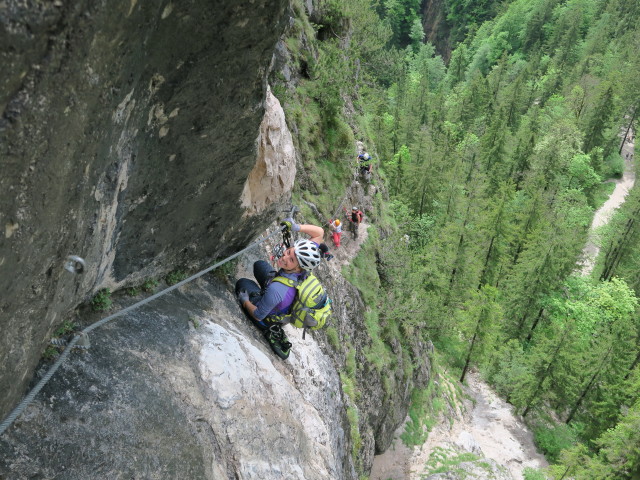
x=336 y=231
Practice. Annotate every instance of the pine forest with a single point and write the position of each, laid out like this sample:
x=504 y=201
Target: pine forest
x=493 y=136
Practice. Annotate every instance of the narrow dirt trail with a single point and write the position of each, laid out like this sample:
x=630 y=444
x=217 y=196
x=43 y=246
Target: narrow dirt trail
x=349 y=247
x=604 y=213
x=359 y=193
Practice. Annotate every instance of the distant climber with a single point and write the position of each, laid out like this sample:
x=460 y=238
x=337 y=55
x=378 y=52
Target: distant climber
x=324 y=251
x=355 y=219
x=336 y=231
x=270 y=300
x=365 y=165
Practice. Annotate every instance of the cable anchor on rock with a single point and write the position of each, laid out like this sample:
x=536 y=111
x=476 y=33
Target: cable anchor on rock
x=83 y=342
x=74 y=264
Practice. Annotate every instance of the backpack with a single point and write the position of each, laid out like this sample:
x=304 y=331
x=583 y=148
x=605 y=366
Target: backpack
x=311 y=307
x=365 y=161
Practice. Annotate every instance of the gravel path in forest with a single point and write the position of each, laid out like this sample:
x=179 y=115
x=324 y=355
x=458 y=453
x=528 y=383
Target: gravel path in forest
x=604 y=213
x=485 y=426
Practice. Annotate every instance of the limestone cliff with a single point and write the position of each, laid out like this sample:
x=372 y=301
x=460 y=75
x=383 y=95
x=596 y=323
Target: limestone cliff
x=436 y=29
x=143 y=137
x=127 y=133
x=186 y=387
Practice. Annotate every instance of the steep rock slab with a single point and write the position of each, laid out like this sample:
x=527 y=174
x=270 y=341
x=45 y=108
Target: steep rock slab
x=127 y=132
x=156 y=397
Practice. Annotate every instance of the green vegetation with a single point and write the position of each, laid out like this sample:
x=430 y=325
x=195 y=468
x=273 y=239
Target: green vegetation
x=349 y=386
x=378 y=353
x=50 y=353
x=354 y=432
x=350 y=390
x=149 y=285
x=175 y=277
x=360 y=273
x=133 y=291
x=613 y=167
x=446 y=460
x=194 y=321
x=533 y=474
x=602 y=193
x=494 y=162
x=428 y=404
x=66 y=328
x=332 y=337
x=101 y=302
x=423 y=415
x=224 y=271
x=552 y=440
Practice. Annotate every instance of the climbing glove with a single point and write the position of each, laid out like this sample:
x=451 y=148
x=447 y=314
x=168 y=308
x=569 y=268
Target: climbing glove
x=243 y=296
x=290 y=224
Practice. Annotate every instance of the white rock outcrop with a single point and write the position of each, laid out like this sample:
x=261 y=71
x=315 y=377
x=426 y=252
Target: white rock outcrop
x=282 y=418
x=273 y=175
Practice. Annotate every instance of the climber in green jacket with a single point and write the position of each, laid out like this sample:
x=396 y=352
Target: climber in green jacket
x=265 y=300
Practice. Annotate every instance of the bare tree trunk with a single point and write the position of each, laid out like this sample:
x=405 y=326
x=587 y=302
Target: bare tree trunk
x=633 y=365
x=546 y=373
x=424 y=192
x=486 y=263
x=535 y=324
x=612 y=258
x=468 y=360
x=565 y=472
x=628 y=128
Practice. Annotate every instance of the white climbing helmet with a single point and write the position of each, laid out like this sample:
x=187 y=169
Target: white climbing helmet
x=307 y=253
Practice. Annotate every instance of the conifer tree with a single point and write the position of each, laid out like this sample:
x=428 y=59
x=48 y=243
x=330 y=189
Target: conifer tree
x=599 y=121
x=479 y=323
x=622 y=241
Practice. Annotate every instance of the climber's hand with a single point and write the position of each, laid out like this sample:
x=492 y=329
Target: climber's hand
x=243 y=296
x=290 y=224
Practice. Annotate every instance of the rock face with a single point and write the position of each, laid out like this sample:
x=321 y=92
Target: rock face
x=157 y=397
x=186 y=387
x=275 y=170
x=127 y=133
x=142 y=137
x=484 y=469
x=435 y=26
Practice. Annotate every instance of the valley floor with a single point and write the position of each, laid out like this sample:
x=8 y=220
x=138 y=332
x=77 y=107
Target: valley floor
x=485 y=426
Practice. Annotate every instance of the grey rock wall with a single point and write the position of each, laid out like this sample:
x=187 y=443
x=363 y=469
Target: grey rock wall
x=141 y=136
x=127 y=132
x=185 y=388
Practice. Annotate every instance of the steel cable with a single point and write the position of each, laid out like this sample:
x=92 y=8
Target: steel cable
x=63 y=356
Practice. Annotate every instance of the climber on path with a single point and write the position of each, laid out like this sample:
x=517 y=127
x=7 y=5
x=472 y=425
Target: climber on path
x=336 y=231
x=364 y=162
x=265 y=300
x=324 y=252
x=355 y=219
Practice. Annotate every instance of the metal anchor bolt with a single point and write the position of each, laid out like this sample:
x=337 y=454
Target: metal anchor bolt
x=74 y=264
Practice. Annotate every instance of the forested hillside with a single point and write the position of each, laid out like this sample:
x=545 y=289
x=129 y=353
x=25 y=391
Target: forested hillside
x=495 y=162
